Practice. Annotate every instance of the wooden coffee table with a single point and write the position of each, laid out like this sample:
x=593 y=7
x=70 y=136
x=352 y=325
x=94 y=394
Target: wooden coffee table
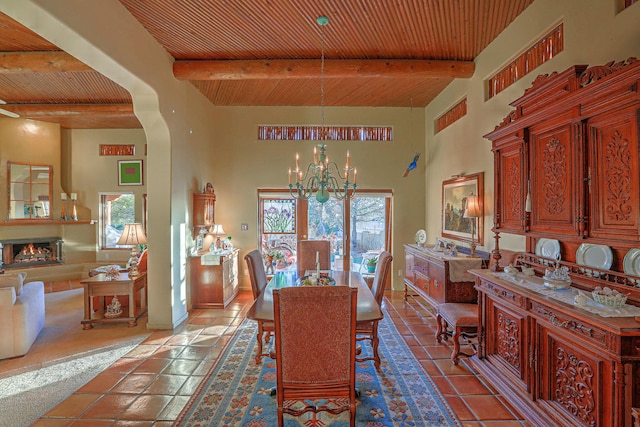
x=101 y=286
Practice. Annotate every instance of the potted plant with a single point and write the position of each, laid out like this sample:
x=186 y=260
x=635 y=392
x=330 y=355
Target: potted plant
x=371 y=265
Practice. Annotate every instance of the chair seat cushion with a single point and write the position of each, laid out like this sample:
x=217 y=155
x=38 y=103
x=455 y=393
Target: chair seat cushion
x=457 y=314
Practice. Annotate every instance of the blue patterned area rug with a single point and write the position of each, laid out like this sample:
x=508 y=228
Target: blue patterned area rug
x=236 y=391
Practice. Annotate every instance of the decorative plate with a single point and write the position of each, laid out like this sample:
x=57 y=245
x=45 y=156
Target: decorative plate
x=632 y=262
x=548 y=248
x=597 y=256
x=421 y=237
x=322 y=281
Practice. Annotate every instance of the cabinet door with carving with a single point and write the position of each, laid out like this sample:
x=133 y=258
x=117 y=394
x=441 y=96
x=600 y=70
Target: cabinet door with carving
x=507 y=343
x=570 y=378
x=613 y=178
x=556 y=157
x=510 y=183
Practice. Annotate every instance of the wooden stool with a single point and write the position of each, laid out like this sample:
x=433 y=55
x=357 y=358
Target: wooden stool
x=463 y=318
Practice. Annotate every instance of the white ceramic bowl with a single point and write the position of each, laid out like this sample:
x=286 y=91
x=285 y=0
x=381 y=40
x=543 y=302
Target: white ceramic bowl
x=614 y=299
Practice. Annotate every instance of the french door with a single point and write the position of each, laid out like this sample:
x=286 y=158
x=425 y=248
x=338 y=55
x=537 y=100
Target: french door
x=358 y=229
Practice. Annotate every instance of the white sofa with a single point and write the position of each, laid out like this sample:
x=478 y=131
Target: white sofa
x=21 y=315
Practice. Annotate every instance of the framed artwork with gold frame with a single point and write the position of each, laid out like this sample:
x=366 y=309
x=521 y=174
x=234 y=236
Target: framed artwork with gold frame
x=455 y=192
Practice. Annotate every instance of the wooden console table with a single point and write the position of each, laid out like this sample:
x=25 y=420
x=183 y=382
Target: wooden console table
x=437 y=278
x=101 y=286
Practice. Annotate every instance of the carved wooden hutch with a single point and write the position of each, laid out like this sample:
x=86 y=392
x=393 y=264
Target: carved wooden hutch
x=571 y=145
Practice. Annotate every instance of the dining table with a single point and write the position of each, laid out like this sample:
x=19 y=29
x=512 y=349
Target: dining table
x=367 y=307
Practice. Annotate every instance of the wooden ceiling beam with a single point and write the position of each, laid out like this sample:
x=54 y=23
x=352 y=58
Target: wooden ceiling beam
x=60 y=110
x=311 y=68
x=39 y=62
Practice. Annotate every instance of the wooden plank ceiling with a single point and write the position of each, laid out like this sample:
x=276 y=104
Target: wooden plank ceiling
x=397 y=53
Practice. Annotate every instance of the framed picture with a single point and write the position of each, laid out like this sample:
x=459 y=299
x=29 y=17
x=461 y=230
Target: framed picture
x=129 y=172
x=455 y=194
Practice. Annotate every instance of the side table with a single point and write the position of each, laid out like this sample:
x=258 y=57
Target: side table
x=102 y=286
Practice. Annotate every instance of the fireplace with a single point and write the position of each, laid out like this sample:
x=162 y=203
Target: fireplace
x=19 y=253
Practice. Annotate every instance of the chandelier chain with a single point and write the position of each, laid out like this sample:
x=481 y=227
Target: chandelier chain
x=324 y=130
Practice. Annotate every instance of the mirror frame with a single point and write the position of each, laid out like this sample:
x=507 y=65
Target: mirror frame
x=32 y=199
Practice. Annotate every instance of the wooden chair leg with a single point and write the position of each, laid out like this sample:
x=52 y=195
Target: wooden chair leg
x=442 y=328
x=456 y=346
x=259 y=349
x=374 y=344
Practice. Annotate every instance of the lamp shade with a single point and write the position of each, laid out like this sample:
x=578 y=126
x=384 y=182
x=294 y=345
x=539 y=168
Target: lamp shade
x=217 y=229
x=133 y=234
x=473 y=207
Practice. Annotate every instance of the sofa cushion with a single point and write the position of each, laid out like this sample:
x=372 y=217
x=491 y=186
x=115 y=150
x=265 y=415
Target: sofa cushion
x=13 y=279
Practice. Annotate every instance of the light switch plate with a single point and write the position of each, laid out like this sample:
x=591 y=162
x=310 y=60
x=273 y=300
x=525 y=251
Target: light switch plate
x=244 y=227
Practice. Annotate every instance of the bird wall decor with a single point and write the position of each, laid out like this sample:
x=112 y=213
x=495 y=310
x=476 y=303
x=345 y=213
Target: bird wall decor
x=412 y=165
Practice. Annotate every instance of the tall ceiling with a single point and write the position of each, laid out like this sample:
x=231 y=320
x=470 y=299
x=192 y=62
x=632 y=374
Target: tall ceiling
x=396 y=53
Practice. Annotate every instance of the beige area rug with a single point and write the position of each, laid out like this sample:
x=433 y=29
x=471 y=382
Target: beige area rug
x=62 y=359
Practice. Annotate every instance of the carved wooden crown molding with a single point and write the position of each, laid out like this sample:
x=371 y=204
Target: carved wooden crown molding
x=597 y=72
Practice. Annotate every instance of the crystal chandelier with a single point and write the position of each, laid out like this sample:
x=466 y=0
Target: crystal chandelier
x=322 y=177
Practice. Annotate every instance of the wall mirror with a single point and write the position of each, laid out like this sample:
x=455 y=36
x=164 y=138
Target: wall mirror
x=30 y=190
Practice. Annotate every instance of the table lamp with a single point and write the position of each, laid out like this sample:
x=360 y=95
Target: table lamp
x=217 y=231
x=133 y=235
x=472 y=211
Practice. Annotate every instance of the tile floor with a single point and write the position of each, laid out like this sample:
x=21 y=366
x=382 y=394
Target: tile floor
x=151 y=385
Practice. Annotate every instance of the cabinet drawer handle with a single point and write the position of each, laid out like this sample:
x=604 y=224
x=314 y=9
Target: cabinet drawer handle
x=435 y=282
x=556 y=322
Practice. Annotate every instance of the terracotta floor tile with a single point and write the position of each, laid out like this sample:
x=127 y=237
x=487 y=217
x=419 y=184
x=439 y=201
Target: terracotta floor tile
x=179 y=340
x=444 y=385
x=73 y=406
x=173 y=408
x=93 y=423
x=460 y=408
x=134 y=383
x=439 y=351
x=430 y=367
x=448 y=368
x=109 y=406
x=146 y=407
x=124 y=365
x=192 y=352
x=102 y=383
x=166 y=384
x=153 y=366
x=181 y=367
x=190 y=385
x=168 y=352
x=203 y=367
x=468 y=384
x=487 y=408
x=142 y=351
x=52 y=422
x=132 y=423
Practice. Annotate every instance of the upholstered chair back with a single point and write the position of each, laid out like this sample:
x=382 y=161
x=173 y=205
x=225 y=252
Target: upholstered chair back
x=306 y=257
x=382 y=277
x=315 y=348
x=257 y=274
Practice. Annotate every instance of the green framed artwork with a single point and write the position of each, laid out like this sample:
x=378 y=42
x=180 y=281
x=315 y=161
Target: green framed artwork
x=129 y=172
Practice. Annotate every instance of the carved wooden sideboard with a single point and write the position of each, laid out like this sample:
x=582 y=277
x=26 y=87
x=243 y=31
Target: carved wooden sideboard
x=557 y=364
x=566 y=167
x=572 y=144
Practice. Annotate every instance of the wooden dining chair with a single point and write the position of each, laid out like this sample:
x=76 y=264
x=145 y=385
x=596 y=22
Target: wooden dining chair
x=368 y=331
x=307 y=250
x=258 y=278
x=315 y=350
